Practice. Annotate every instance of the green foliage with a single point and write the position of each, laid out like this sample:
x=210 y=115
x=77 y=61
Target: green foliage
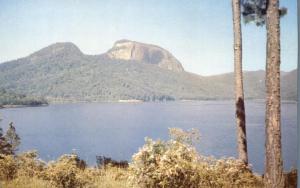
x=5 y=147
x=73 y=76
x=12 y=138
x=10 y=98
x=256 y=11
x=10 y=141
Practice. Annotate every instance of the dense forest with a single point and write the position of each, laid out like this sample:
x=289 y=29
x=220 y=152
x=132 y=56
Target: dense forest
x=8 y=98
x=62 y=73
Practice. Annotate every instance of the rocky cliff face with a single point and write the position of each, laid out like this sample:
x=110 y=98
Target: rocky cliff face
x=144 y=53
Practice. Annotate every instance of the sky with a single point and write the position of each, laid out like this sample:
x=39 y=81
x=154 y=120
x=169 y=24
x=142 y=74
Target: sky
x=197 y=32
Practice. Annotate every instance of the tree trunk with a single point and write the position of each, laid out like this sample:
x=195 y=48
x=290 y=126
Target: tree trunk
x=274 y=166
x=239 y=91
x=298 y=97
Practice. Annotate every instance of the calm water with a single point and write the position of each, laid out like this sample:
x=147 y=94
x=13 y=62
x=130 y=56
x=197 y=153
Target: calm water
x=118 y=130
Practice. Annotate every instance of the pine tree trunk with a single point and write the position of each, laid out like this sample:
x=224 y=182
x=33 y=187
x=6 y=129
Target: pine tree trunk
x=239 y=92
x=298 y=95
x=274 y=166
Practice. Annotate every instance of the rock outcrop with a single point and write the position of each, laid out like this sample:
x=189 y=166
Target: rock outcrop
x=144 y=53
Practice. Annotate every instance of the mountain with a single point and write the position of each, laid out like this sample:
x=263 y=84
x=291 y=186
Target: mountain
x=289 y=85
x=129 y=70
x=145 y=53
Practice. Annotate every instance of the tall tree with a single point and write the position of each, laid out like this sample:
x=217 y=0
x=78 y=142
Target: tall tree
x=274 y=165
x=12 y=138
x=298 y=90
x=239 y=91
x=268 y=12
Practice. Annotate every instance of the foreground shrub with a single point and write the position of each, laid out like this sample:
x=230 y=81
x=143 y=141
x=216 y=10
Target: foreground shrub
x=67 y=172
x=29 y=165
x=226 y=172
x=175 y=163
x=25 y=164
x=291 y=179
x=8 y=167
x=110 y=177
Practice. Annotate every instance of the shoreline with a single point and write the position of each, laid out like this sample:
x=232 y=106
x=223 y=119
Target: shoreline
x=21 y=106
x=134 y=101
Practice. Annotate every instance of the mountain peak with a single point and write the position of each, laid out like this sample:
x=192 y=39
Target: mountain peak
x=66 y=45
x=123 y=41
x=57 y=49
x=144 y=53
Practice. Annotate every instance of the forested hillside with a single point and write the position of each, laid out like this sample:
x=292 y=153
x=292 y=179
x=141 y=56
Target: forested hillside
x=10 y=98
x=61 y=73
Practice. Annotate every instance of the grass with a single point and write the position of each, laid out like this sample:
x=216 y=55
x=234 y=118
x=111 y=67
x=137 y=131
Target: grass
x=108 y=178
x=26 y=182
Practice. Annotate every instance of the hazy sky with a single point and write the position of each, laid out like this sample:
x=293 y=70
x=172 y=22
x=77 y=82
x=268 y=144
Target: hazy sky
x=197 y=32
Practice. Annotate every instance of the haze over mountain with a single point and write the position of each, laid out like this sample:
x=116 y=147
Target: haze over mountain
x=129 y=70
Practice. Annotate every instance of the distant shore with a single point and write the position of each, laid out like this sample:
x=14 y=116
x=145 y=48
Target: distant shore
x=21 y=106
x=141 y=101
x=132 y=101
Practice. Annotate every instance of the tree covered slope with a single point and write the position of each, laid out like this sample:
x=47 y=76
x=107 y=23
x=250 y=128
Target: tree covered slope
x=61 y=72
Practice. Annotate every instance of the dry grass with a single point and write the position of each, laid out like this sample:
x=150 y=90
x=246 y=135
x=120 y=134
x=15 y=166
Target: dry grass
x=112 y=178
x=109 y=178
x=26 y=182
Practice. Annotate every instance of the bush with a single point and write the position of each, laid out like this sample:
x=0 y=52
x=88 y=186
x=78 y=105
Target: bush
x=8 y=167
x=226 y=172
x=29 y=165
x=66 y=172
x=175 y=163
x=170 y=164
x=25 y=164
x=165 y=164
x=291 y=178
x=69 y=171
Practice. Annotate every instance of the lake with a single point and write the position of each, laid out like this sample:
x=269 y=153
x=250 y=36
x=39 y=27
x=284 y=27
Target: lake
x=118 y=130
